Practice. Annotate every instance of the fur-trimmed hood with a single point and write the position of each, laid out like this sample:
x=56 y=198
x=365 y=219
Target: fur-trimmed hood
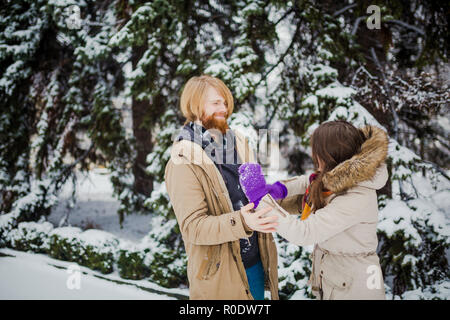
x=367 y=168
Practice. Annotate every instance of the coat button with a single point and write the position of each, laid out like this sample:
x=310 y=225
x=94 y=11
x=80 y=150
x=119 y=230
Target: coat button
x=232 y=221
x=321 y=271
x=343 y=284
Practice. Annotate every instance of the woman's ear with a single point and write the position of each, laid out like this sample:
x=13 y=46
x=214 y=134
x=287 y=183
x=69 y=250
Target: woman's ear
x=320 y=164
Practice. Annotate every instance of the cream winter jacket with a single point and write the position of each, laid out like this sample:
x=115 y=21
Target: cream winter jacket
x=344 y=232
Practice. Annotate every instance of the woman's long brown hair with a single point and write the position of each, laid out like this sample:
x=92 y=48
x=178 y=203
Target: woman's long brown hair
x=332 y=142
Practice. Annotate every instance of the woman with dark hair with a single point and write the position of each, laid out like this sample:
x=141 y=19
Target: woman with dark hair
x=339 y=210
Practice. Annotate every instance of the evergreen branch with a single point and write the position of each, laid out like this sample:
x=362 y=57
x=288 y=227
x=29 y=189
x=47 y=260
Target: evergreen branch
x=67 y=169
x=281 y=58
x=361 y=68
x=386 y=87
x=344 y=9
x=269 y=120
x=408 y=26
x=284 y=16
x=356 y=24
x=442 y=143
x=437 y=168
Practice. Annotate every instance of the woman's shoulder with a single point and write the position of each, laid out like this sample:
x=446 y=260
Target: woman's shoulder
x=355 y=197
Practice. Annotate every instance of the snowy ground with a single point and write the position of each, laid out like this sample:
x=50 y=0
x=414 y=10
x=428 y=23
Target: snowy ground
x=37 y=276
x=96 y=207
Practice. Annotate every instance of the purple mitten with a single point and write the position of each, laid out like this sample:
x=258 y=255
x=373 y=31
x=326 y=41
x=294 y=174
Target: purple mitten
x=254 y=184
x=252 y=181
x=277 y=190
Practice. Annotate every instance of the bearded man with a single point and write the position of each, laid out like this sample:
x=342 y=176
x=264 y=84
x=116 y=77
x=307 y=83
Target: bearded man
x=230 y=248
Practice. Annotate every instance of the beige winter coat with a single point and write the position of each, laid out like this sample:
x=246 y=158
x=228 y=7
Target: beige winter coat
x=210 y=228
x=344 y=233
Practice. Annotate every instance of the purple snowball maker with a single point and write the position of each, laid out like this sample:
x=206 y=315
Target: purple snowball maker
x=254 y=184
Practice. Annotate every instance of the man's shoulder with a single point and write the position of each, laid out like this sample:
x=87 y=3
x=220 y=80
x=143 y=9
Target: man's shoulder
x=188 y=153
x=180 y=152
x=176 y=167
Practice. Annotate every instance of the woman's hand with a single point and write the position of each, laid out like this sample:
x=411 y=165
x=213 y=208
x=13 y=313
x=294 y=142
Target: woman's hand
x=256 y=222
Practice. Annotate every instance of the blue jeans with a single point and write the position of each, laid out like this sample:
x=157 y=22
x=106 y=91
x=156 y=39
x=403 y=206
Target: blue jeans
x=255 y=276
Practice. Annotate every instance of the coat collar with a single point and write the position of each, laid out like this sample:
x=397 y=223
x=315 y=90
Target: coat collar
x=193 y=153
x=189 y=152
x=366 y=168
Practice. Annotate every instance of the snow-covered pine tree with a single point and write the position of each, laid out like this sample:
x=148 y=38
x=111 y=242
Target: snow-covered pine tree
x=413 y=231
x=413 y=228
x=290 y=65
x=22 y=26
x=95 y=80
x=296 y=83
x=57 y=88
x=193 y=48
x=163 y=53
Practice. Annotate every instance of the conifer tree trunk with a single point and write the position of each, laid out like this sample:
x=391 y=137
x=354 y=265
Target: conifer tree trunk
x=143 y=183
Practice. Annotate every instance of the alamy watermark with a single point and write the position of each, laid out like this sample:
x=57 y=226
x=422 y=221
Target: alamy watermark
x=74 y=280
x=375 y=279
x=221 y=148
x=73 y=17
x=374 y=20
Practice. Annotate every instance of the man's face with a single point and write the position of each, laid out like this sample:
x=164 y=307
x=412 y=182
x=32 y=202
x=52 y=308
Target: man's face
x=215 y=111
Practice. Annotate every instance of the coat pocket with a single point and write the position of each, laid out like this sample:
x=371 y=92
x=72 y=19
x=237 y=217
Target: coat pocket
x=334 y=281
x=210 y=263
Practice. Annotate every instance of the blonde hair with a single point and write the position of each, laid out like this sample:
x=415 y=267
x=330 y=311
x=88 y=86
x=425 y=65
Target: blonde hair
x=194 y=92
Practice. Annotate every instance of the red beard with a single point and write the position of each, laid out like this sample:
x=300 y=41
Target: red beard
x=212 y=122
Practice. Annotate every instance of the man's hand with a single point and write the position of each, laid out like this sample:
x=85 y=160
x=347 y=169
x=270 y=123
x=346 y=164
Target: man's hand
x=255 y=221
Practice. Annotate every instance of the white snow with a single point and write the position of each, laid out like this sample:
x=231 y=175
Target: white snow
x=66 y=232
x=34 y=276
x=397 y=216
x=97 y=237
x=96 y=206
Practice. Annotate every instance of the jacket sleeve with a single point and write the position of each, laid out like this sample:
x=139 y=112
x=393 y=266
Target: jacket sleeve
x=341 y=213
x=191 y=210
x=296 y=187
